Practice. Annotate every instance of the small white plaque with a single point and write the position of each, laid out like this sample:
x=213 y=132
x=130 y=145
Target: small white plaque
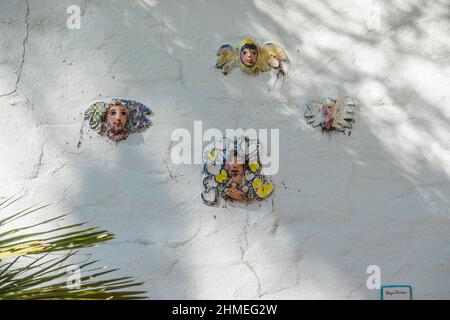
x=398 y=292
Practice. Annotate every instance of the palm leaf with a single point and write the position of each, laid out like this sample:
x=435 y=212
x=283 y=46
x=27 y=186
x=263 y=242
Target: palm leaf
x=45 y=277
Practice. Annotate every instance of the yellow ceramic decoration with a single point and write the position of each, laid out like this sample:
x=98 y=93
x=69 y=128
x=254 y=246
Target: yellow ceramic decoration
x=251 y=57
x=263 y=190
x=253 y=166
x=220 y=178
x=212 y=155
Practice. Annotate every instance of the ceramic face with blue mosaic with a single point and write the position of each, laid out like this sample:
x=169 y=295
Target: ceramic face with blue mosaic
x=118 y=118
x=233 y=172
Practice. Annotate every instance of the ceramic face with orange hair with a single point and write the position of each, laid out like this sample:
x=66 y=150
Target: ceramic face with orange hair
x=251 y=57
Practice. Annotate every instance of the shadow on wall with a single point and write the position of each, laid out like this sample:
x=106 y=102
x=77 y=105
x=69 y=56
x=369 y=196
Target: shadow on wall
x=342 y=203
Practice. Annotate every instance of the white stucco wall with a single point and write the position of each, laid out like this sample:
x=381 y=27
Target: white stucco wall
x=380 y=196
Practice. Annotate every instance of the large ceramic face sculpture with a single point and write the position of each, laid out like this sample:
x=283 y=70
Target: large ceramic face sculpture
x=331 y=114
x=234 y=173
x=251 y=57
x=118 y=118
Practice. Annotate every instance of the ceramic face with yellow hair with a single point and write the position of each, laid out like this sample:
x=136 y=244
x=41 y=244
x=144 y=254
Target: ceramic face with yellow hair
x=233 y=172
x=251 y=57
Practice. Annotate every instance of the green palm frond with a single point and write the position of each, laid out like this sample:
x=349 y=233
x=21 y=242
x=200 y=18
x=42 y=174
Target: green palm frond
x=14 y=242
x=46 y=277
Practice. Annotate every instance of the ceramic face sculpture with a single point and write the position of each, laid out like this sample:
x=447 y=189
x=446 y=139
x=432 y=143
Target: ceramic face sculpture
x=118 y=118
x=248 y=54
x=331 y=114
x=116 y=121
x=236 y=185
x=233 y=173
x=251 y=57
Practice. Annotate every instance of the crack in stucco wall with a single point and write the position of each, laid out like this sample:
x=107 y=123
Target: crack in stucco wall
x=24 y=51
x=39 y=163
x=244 y=245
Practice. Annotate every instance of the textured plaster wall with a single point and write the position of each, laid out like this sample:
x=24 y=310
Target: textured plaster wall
x=380 y=196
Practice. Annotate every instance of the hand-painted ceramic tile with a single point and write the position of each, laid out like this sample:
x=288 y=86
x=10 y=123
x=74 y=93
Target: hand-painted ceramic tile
x=251 y=57
x=233 y=172
x=118 y=118
x=331 y=114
